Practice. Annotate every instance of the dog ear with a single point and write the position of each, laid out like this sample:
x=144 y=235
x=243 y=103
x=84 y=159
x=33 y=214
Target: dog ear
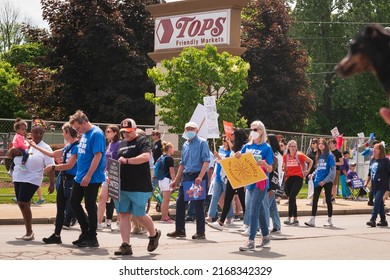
x=377 y=32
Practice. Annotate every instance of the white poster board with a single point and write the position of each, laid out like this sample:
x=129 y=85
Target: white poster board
x=335 y=132
x=199 y=117
x=211 y=117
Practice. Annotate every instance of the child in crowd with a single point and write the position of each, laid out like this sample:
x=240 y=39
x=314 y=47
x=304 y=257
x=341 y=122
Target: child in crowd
x=19 y=142
x=352 y=175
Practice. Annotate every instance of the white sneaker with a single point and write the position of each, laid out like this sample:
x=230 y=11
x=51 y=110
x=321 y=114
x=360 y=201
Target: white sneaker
x=361 y=198
x=116 y=227
x=246 y=232
x=329 y=223
x=243 y=228
x=208 y=220
x=216 y=225
x=229 y=221
x=311 y=222
x=100 y=227
x=310 y=203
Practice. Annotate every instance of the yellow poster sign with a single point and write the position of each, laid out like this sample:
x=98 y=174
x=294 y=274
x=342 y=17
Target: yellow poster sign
x=242 y=171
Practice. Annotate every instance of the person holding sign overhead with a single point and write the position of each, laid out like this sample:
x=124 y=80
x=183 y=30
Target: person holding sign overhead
x=193 y=167
x=264 y=156
x=136 y=186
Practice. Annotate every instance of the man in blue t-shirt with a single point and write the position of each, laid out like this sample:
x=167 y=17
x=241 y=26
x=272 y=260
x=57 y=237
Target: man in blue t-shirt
x=89 y=177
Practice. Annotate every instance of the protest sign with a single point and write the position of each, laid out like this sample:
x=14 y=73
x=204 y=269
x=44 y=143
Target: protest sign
x=242 y=171
x=211 y=117
x=114 y=176
x=193 y=192
x=335 y=132
x=228 y=128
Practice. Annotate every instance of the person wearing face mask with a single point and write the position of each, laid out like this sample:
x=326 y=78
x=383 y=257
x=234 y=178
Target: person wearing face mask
x=193 y=166
x=264 y=156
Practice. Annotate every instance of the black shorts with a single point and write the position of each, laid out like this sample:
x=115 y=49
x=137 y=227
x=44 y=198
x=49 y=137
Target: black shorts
x=24 y=191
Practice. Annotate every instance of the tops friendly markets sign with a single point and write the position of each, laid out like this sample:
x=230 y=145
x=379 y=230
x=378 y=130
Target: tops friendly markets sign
x=192 y=30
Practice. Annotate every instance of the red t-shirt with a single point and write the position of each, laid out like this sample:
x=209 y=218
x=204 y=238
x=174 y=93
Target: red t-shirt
x=293 y=167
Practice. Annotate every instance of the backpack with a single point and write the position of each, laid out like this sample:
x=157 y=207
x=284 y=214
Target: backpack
x=159 y=168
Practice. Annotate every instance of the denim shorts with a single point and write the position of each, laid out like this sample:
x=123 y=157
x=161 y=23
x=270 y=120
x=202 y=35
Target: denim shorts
x=132 y=202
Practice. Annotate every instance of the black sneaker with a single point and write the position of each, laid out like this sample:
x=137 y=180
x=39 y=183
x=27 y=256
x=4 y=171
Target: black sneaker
x=371 y=223
x=199 y=236
x=90 y=241
x=189 y=219
x=153 y=241
x=82 y=237
x=370 y=203
x=382 y=223
x=53 y=239
x=124 y=249
x=274 y=230
x=176 y=234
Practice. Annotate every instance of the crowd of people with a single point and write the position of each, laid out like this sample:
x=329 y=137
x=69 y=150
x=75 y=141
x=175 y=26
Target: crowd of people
x=81 y=168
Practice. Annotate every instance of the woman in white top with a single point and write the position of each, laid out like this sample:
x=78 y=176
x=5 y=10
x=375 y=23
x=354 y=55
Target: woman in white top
x=26 y=182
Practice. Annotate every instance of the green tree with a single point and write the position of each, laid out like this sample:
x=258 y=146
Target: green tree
x=100 y=54
x=325 y=30
x=9 y=82
x=194 y=75
x=278 y=87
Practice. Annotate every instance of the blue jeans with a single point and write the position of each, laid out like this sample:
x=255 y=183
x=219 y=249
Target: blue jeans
x=219 y=188
x=379 y=207
x=345 y=192
x=248 y=197
x=257 y=199
x=264 y=215
x=274 y=213
x=181 y=207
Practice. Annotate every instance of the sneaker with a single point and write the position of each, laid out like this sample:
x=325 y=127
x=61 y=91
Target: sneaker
x=66 y=227
x=124 y=249
x=53 y=239
x=382 y=223
x=329 y=223
x=361 y=198
x=189 y=219
x=311 y=222
x=100 y=227
x=89 y=241
x=248 y=246
x=287 y=222
x=199 y=236
x=82 y=237
x=285 y=203
x=370 y=203
x=216 y=225
x=236 y=218
x=153 y=241
x=310 y=203
x=229 y=221
x=117 y=227
x=243 y=228
x=176 y=234
x=371 y=223
x=275 y=230
x=333 y=200
x=209 y=220
x=295 y=223
x=139 y=231
x=264 y=242
x=246 y=232
x=39 y=201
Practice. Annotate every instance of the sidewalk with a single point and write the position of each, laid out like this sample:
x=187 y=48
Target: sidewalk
x=45 y=214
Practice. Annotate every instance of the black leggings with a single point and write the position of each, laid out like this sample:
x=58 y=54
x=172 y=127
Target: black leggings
x=62 y=201
x=292 y=187
x=229 y=195
x=110 y=209
x=328 y=195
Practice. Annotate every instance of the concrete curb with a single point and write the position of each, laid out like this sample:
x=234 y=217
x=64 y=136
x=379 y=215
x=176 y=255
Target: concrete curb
x=157 y=216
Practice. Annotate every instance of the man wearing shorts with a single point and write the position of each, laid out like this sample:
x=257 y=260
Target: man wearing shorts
x=136 y=186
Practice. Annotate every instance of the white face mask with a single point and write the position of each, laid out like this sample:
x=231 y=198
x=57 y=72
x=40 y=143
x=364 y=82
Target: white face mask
x=254 y=135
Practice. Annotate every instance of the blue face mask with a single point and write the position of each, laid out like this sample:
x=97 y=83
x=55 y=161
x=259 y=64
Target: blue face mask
x=190 y=134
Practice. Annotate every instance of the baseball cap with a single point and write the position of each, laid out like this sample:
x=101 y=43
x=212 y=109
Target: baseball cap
x=128 y=125
x=353 y=164
x=191 y=124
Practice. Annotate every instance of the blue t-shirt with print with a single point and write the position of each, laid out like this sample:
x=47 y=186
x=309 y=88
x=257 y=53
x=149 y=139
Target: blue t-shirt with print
x=323 y=168
x=91 y=142
x=73 y=151
x=218 y=167
x=260 y=152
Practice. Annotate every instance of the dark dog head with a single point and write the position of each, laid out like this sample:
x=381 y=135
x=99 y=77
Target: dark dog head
x=366 y=51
